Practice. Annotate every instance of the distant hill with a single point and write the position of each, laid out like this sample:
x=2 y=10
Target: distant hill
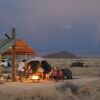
x=61 y=54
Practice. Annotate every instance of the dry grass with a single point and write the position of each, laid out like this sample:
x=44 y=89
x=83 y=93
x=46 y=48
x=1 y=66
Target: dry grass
x=90 y=91
x=65 y=91
x=91 y=65
x=89 y=71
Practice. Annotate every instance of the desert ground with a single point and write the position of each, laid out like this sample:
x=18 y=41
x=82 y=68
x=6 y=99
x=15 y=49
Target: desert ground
x=78 y=88
x=85 y=84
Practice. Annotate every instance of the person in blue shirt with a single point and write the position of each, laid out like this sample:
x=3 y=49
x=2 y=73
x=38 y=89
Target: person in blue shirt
x=29 y=72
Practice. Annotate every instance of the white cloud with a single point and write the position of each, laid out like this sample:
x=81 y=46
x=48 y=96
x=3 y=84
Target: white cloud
x=67 y=27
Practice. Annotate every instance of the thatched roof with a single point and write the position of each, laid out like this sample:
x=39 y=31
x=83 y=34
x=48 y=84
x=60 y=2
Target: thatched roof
x=21 y=47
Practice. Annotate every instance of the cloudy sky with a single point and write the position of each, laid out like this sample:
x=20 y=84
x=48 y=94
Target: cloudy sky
x=71 y=25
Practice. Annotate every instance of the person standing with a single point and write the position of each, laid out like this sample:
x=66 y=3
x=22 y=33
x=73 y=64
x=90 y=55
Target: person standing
x=21 y=69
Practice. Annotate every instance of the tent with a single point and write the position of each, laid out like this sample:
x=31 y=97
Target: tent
x=36 y=62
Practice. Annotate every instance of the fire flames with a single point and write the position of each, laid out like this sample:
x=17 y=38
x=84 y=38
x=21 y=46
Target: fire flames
x=35 y=77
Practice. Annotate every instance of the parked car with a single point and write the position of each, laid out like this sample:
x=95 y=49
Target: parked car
x=5 y=63
x=37 y=61
x=77 y=64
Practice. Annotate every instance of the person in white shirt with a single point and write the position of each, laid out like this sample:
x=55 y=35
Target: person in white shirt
x=41 y=72
x=21 y=69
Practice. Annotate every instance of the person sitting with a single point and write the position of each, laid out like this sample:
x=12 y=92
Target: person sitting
x=61 y=75
x=50 y=74
x=41 y=72
x=56 y=73
x=29 y=71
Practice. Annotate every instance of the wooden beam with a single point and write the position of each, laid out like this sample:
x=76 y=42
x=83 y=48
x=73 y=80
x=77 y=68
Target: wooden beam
x=13 y=56
x=19 y=47
x=26 y=58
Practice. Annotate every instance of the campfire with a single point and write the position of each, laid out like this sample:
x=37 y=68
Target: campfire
x=35 y=77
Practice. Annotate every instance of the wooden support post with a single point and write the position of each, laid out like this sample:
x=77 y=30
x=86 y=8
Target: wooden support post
x=26 y=58
x=13 y=57
x=0 y=64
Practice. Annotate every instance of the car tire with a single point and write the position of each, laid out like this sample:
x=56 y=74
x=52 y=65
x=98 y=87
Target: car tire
x=65 y=77
x=67 y=73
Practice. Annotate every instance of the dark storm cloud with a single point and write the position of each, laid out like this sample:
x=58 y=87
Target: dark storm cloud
x=53 y=24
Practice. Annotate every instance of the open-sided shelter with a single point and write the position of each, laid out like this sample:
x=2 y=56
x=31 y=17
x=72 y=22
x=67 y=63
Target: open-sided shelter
x=21 y=48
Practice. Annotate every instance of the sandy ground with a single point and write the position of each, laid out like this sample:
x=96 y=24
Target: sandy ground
x=17 y=87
